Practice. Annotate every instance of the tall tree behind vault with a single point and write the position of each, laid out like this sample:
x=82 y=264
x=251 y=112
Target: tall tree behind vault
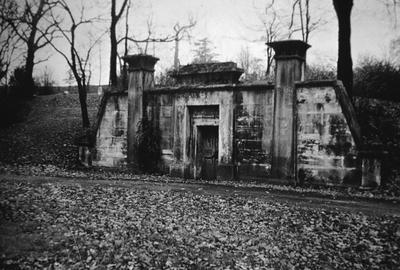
x=203 y=53
x=113 y=39
x=345 y=62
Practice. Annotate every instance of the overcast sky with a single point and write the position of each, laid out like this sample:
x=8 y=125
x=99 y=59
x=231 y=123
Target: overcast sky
x=232 y=25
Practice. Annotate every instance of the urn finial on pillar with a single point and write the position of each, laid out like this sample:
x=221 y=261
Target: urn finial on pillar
x=290 y=58
x=141 y=78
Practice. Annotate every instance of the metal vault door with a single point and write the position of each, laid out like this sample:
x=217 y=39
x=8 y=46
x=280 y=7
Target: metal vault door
x=206 y=152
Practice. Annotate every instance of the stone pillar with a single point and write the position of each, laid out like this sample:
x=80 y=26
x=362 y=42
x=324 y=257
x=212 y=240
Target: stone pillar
x=141 y=78
x=371 y=162
x=371 y=173
x=290 y=61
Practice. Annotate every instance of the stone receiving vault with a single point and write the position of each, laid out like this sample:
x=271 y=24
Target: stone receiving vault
x=214 y=127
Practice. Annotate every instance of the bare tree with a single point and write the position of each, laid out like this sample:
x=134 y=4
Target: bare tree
x=271 y=29
x=147 y=40
x=250 y=64
x=149 y=35
x=301 y=13
x=124 y=66
x=46 y=77
x=391 y=7
x=345 y=63
x=395 y=51
x=137 y=42
x=181 y=32
x=78 y=61
x=9 y=41
x=276 y=24
x=244 y=59
x=30 y=25
x=115 y=17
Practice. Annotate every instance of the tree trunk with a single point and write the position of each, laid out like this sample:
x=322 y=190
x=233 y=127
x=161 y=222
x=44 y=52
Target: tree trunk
x=345 y=63
x=125 y=65
x=176 y=55
x=82 y=100
x=113 y=55
x=269 y=63
x=28 y=84
x=29 y=63
x=113 y=39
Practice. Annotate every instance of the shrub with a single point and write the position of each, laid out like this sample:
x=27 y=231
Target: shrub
x=14 y=105
x=148 y=146
x=320 y=72
x=164 y=78
x=21 y=86
x=46 y=83
x=375 y=78
x=12 y=109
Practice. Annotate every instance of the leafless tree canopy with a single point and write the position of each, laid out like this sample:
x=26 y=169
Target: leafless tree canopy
x=77 y=60
x=251 y=65
x=180 y=32
x=391 y=7
x=9 y=40
x=30 y=23
x=301 y=13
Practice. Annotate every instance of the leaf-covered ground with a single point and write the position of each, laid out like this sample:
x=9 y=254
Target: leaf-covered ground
x=48 y=170
x=47 y=135
x=64 y=225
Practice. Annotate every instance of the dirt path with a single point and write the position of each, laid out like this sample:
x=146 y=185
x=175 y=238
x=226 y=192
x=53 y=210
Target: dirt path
x=368 y=207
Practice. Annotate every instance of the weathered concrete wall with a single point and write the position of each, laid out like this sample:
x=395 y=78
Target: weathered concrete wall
x=172 y=108
x=303 y=131
x=160 y=109
x=253 y=133
x=326 y=150
x=111 y=137
x=244 y=127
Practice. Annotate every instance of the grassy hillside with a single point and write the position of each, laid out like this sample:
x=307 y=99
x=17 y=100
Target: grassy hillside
x=47 y=135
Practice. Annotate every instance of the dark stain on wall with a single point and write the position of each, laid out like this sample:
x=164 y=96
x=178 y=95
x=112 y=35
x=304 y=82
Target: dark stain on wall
x=339 y=144
x=252 y=154
x=326 y=151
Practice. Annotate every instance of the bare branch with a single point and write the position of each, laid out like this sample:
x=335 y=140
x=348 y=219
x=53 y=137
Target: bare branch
x=42 y=60
x=26 y=21
x=118 y=16
x=149 y=39
x=49 y=31
x=293 y=14
x=181 y=30
x=92 y=46
x=78 y=64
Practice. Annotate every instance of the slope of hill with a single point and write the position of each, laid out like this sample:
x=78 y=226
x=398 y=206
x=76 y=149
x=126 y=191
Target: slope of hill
x=47 y=135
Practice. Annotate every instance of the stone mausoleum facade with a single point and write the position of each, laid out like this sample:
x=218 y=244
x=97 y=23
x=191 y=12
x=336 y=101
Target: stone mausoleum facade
x=213 y=127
